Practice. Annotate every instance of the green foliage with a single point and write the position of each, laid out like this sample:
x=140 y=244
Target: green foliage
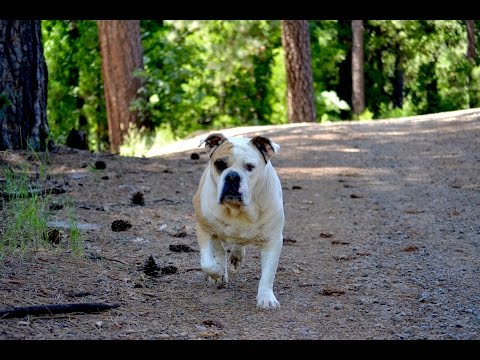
x=365 y=115
x=208 y=74
x=205 y=75
x=431 y=54
x=330 y=105
x=75 y=87
x=140 y=143
x=277 y=95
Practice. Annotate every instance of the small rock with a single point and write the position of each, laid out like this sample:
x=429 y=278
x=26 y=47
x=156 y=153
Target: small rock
x=337 y=306
x=425 y=295
x=296 y=187
x=179 y=232
x=99 y=324
x=356 y=196
x=163 y=336
x=194 y=156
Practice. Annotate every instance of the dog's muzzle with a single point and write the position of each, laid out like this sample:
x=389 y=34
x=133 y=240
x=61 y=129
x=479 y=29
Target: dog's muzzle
x=231 y=187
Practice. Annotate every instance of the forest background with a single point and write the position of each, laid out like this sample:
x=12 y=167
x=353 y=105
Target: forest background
x=203 y=75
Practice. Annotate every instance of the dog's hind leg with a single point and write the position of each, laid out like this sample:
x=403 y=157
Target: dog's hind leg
x=237 y=254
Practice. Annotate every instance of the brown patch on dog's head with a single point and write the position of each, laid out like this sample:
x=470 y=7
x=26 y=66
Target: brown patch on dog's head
x=266 y=147
x=212 y=142
x=222 y=154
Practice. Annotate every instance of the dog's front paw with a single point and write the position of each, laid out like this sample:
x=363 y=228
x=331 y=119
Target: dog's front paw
x=267 y=301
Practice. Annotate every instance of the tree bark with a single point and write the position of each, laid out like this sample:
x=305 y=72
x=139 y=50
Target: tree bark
x=344 y=86
x=122 y=54
x=398 y=79
x=471 y=52
x=23 y=86
x=358 y=80
x=300 y=95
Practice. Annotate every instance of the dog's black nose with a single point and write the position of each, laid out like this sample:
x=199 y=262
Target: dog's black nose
x=231 y=187
x=232 y=178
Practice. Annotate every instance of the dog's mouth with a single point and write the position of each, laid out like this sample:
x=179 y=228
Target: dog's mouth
x=235 y=199
x=231 y=190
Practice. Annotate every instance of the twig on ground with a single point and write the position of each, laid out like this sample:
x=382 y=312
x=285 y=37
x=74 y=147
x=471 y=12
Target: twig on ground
x=16 y=312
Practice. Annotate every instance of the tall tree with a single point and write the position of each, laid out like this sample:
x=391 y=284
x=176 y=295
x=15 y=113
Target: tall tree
x=398 y=79
x=23 y=86
x=471 y=52
x=358 y=80
x=122 y=54
x=472 y=57
x=300 y=95
x=344 y=86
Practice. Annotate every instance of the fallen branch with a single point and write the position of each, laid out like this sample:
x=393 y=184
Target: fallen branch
x=16 y=312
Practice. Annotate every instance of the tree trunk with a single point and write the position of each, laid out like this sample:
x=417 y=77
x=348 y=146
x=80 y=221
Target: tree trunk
x=122 y=53
x=344 y=86
x=23 y=86
x=300 y=95
x=358 y=81
x=398 y=80
x=471 y=53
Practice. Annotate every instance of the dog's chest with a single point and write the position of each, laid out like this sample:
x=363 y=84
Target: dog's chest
x=236 y=229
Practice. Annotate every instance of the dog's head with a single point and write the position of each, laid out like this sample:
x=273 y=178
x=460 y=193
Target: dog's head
x=237 y=164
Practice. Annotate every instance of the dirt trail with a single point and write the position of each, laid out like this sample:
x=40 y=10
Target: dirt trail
x=382 y=241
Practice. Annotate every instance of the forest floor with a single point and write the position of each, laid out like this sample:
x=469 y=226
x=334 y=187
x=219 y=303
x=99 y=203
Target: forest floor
x=381 y=241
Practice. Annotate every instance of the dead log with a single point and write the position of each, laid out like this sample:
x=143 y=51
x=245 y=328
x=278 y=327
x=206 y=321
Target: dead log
x=15 y=312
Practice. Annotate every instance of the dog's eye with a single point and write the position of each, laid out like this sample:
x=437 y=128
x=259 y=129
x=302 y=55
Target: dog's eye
x=220 y=165
x=249 y=167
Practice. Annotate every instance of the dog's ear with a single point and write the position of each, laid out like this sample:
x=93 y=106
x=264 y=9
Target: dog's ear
x=212 y=142
x=266 y=147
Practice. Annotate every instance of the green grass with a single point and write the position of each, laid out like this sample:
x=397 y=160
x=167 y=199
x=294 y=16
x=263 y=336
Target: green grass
x=26 y=213
x=26 y=208
x=76 y=238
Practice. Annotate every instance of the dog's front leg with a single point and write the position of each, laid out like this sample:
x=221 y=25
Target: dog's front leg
x=270 y=253
x=213 y=257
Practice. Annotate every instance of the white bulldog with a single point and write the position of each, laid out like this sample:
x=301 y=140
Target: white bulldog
x=239 y=201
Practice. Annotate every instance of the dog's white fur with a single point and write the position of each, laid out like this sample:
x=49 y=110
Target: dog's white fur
x=257 y=219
